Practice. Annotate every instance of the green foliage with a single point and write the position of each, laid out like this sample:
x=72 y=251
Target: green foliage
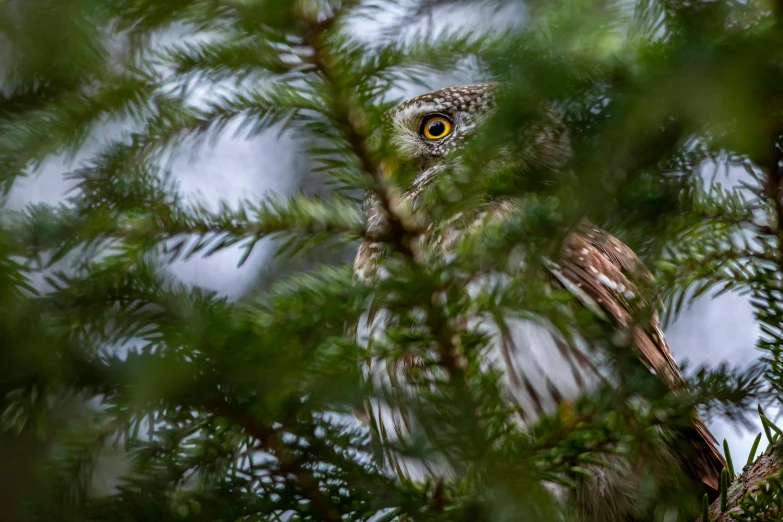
x=243 y=410
x=763 y=504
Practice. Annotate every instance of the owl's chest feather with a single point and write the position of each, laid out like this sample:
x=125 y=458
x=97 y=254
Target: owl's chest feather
x=538 y=368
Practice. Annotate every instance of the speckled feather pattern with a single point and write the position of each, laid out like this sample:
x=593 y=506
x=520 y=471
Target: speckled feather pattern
x=466 y=107
x=540 y=368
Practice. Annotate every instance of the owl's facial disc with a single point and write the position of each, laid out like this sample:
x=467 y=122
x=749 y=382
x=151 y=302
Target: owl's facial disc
x=431 y=126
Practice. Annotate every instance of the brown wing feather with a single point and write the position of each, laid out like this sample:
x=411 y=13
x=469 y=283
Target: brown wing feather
x=605 y=269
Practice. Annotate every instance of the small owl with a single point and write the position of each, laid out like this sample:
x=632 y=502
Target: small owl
x=540 y=368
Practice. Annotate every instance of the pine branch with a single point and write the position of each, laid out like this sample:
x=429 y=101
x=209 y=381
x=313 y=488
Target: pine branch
x=243 y=402
x=270 y=440
x=754 y=496
x=352 y=121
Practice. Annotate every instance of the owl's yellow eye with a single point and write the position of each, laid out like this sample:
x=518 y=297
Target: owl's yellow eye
x=435 y=127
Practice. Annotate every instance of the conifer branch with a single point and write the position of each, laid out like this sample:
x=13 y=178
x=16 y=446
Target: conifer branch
x=353 y=121
x=269 y=439
x=755 y=495
x=219 y=383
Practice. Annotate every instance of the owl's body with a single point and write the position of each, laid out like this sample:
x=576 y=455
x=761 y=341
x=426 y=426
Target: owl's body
x=540 y=369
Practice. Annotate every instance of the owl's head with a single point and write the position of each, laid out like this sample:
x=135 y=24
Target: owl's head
x=427 y=132
x=434 y=124
x=426 y=129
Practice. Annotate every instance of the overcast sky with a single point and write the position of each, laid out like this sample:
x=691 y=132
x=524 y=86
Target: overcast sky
x=713 y=330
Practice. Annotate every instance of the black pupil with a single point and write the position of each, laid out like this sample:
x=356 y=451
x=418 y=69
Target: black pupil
x=436 y=128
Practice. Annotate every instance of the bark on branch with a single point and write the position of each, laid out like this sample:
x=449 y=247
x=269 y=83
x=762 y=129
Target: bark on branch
x=750 y=482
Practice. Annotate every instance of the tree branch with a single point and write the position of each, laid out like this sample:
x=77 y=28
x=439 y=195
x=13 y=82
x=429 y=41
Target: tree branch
x=352 y=120
x=269 y=440
x=753 y=478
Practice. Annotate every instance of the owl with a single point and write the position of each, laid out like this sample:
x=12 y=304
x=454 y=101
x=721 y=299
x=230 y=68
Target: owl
x=540 y=368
